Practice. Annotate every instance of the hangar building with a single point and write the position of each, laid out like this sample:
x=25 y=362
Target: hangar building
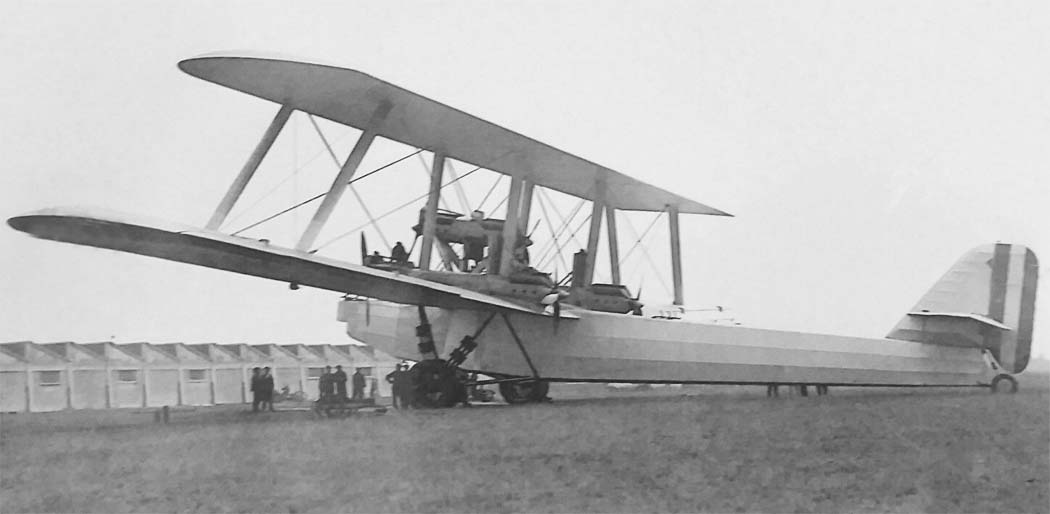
x=56 y=376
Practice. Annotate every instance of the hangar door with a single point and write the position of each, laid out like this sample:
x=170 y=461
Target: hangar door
x=89 y=389
x=228 y=386
x=12 y=391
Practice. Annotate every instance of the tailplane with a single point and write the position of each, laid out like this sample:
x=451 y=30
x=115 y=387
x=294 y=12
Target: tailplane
x=986 y=300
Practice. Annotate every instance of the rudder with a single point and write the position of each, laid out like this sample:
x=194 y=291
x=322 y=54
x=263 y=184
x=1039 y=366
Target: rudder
x=986 y=299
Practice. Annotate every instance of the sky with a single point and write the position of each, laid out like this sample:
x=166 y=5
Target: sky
x=862 y=147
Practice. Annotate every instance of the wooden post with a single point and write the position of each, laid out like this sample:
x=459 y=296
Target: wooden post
x=245 y=176
x=29 y=389
x=676 y=254
x=335 y=192
x=430 y=211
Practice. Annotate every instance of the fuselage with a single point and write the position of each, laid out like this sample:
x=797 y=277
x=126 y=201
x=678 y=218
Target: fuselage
x=607 y=347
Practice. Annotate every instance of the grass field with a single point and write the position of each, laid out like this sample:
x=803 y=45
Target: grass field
x=720 y=449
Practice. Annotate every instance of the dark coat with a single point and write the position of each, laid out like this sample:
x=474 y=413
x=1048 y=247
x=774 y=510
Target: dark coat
x=359 y=381
x=339 y=377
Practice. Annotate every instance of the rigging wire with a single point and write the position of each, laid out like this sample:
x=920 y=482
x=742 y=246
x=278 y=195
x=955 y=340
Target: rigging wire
x=558 y=212
x=353 y=190
x=292 y=175
x=311 y=199
x=491 y=189
x=550 y=226
x=582 y=223
x=639 y=240
x=637 y=244
x=395 y=209
x=564 y=227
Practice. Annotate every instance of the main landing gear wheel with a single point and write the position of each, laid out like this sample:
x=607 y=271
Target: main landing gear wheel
x=524 y=391
x=436 y=385
x=1004 y=384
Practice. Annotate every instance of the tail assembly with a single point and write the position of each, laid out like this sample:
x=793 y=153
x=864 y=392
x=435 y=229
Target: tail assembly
x=986 y=300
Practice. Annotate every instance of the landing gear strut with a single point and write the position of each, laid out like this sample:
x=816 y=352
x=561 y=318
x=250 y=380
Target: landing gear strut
x=436 y=382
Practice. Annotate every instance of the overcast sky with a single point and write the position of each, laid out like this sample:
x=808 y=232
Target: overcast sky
x=863 y=147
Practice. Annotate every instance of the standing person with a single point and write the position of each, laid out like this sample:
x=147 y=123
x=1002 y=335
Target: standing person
x=398 y=254
x=256 y=393
x=408 y=394
x=397 y=383
x=358 y=384
x=322 y=384
x=339 y=377
x=266 y=387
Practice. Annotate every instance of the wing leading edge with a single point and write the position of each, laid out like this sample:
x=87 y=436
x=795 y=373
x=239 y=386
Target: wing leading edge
x=190 y=245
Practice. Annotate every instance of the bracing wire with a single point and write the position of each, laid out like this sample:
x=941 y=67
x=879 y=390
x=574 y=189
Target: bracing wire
x=395 y=209
x=311 y=199
x=292 y=175
x=491 y=189
x=353 y=190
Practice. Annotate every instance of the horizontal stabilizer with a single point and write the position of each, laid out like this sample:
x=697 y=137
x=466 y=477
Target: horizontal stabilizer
x=249 y=257
x=986 y=300
x=962 y=316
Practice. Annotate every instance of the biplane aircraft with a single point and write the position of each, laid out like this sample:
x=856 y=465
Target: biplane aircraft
x=489 y=311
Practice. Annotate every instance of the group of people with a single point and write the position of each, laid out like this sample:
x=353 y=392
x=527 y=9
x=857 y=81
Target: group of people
x=332 y=385
x=262 y=389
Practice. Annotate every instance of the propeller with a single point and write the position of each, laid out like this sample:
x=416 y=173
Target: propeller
x=364 y=250
x=553 y=299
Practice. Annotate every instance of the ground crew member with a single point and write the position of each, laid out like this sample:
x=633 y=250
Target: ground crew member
x=322 y=384
x=256 y=393
x=266 y=387
x=396 y=379
x=358 y=384
x=339 y=377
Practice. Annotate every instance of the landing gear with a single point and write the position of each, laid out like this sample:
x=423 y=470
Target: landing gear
x=524 y=391
x=435 y=384
x=1003 y=384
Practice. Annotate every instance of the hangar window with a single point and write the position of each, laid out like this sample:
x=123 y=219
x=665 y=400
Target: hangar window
x=197 y=375
x=128 y=375
x=49 y=378
x=314 y=373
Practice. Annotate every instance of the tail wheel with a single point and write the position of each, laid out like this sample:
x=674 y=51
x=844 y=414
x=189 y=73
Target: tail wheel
x=524 y=391
x=1004 y=384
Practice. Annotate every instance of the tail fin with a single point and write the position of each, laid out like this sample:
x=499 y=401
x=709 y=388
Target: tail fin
x=987 y=300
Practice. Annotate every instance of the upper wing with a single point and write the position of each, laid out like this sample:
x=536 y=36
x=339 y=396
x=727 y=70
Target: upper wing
x=247 y=256
x=351 y=97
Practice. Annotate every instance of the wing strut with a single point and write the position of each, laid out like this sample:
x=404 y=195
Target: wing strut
x=614 y=245
x=676 y=254
x=345 y=174
x=430 y=212
x=245 y=176
x=595 y=229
